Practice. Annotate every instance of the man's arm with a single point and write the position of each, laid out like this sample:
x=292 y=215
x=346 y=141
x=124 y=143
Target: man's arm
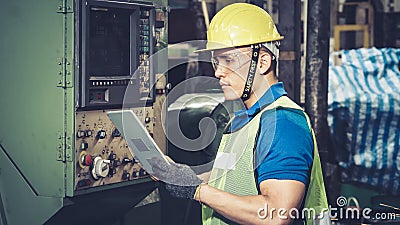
x=205 y=176
x=277 y=197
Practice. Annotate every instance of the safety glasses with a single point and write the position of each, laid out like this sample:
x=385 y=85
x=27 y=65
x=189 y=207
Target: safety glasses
x=231 y=61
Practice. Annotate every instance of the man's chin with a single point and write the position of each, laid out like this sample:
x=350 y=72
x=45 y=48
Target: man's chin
x=230 y=96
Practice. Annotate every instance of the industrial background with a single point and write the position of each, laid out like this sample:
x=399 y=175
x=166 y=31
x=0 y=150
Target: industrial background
x=65 y=63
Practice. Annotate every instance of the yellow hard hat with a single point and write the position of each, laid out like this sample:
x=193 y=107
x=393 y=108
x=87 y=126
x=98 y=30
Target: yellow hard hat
x=240 y=24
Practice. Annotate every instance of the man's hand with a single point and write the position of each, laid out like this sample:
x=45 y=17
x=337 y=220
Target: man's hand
x=181 y=181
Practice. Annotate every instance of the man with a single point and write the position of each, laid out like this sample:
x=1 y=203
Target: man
x=267 y=168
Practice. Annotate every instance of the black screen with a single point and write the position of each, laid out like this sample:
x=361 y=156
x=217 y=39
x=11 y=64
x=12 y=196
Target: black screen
x=109 y=41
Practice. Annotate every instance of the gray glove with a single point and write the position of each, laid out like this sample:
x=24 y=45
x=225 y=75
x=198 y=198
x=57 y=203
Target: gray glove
x=181 y=181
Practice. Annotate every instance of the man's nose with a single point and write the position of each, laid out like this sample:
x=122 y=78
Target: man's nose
x=220 y=72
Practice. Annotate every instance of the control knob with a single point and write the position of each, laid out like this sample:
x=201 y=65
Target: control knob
x=116 y=133
x=88 y=133
x=87 y=160
x=101 y=134
x=125 y=175
x=112 y=156
x=100 y=168
x=80 y=134
x=84 y=183
x=126 y=160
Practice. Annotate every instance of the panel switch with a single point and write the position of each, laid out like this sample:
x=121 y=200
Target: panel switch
x=101 y=134
x=88 y=133
x=80 y=134
x=126 y=160
x=125 y=175
x=112 y=156
x=116 y=133
x=84 y=145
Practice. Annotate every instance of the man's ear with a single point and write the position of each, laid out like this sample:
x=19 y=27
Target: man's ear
x=265 y=61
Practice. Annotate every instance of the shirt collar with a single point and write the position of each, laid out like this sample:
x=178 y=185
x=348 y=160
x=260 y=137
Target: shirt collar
x=273 y=93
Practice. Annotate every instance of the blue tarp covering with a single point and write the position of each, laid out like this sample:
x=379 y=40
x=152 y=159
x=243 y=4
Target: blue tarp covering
x=364 y=116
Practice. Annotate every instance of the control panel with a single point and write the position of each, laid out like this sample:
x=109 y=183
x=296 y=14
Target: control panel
x=144 y=54
x=102 y=155
x=117 y=40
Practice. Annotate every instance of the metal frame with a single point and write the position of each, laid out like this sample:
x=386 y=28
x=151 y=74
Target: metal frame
x=354 y=27
x=365 y=28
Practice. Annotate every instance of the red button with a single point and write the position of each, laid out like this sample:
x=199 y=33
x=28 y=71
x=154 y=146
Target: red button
x=88 y=160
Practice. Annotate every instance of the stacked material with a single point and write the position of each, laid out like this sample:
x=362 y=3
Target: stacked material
x=364 y=116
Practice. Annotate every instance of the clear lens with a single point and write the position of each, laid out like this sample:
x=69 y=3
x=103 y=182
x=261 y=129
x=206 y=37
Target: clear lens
x=231 y=61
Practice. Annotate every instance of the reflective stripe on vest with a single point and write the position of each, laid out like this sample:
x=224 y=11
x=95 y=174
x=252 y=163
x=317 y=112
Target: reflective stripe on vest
x=233 y=170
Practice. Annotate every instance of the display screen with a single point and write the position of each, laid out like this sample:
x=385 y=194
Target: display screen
x=116 y=43
x=109 y=41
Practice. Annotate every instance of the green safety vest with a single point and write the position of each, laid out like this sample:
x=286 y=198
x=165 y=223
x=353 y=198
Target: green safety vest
x=233 y=168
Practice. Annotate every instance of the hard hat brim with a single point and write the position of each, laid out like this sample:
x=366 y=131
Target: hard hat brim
x=221 y=46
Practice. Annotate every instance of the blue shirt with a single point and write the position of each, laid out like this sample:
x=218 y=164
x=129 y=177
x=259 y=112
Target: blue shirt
x=284 y=149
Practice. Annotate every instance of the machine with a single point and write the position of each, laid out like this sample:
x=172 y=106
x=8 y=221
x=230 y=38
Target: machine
x=65 y=63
